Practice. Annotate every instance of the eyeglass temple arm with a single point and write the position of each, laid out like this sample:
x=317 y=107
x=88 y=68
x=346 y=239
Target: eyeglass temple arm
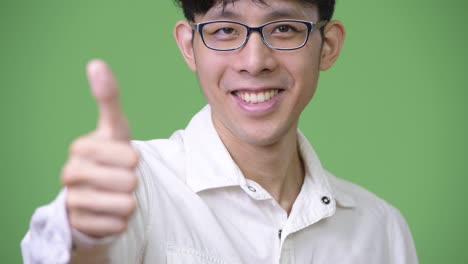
x=320 y=24
x=193 y=25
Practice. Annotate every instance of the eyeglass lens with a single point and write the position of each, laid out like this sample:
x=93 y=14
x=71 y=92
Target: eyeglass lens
x=281 y=34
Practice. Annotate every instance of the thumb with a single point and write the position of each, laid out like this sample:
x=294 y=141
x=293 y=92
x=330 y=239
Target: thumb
x=112 y=123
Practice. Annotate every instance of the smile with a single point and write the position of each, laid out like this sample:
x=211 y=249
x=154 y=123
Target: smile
x=257 y=97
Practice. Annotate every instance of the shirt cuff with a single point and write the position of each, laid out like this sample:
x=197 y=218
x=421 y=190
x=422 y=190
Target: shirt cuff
x=81 y=240
x=48 y=239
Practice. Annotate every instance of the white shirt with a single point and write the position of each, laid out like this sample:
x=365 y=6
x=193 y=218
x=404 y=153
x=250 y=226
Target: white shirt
x=196 y=206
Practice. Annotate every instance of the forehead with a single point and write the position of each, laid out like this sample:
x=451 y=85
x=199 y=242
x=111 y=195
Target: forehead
x=243 y=10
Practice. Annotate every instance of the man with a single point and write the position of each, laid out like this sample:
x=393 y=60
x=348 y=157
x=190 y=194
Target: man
x=240 y=184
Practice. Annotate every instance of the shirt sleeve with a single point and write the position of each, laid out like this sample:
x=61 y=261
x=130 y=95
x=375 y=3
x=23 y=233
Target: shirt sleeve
x=51 y=239
x=403 y=250
x=48 y=239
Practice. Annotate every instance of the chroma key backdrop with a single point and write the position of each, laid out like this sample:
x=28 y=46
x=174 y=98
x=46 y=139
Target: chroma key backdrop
x=391 y=115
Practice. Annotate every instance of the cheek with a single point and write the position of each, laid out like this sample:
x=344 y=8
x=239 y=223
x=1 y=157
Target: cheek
x=304 y=69
x=203 y=60
x=210 y=70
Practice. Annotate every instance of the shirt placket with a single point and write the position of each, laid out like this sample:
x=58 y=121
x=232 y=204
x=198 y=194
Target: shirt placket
x=287 y=251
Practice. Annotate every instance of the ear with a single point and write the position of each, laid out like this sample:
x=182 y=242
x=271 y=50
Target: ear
x=333 y=38
x=183 y=34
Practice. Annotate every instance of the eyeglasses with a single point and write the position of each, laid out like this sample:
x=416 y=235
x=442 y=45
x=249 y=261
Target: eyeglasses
x=280 y=34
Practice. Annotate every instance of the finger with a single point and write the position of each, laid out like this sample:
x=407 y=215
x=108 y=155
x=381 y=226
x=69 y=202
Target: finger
x=111 y=123
x=97 y=225
x=99 y=202
x=105 y=152
x=82 y=172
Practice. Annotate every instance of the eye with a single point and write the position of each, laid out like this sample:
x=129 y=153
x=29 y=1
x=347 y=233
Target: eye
x=285 y=28
x=221 y=30
x=225 y=31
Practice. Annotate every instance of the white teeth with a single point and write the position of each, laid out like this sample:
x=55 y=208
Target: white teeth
x=253 y=98
x=261 y=97
x=258 y=97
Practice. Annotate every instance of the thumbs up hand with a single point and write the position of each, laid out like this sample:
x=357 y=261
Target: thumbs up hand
x=112 y=124
x=100 y=171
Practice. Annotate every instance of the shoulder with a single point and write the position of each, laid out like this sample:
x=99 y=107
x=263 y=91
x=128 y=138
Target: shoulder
x=364 y=201
x=161 y=167
x=372 y=221
x=377 y=217
x=158 y=148
x=161 y=160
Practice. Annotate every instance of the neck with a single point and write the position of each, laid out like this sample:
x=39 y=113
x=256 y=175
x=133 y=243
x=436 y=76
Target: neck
x=276 y=167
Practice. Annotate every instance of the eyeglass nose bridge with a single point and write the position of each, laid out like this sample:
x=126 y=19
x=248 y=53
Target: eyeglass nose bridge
x=257 y=29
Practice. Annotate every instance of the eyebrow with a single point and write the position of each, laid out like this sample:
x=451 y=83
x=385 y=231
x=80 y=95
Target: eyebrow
x=226 y=13
x=288 y=13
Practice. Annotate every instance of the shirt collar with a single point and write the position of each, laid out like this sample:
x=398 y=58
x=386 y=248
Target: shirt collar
x=209 y=164
x=316 y=175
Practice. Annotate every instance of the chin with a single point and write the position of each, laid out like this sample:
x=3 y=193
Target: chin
x=263 y=137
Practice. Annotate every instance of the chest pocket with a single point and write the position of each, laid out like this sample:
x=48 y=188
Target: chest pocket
x=178 y=255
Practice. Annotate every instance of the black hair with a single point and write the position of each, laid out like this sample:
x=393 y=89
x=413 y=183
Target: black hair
x=200 y=7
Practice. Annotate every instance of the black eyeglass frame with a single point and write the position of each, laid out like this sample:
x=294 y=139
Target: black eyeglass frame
x=310 y=27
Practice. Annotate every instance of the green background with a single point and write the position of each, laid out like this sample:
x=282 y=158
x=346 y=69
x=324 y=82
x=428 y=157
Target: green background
x=390 y=116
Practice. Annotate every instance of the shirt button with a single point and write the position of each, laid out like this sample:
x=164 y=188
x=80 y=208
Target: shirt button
x=251 y=188
x=325 y=200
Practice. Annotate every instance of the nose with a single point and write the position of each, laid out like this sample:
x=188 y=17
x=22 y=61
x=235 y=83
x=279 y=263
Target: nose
x=255 y=57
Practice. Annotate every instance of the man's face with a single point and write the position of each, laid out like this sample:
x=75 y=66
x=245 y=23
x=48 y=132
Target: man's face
x=228 y=77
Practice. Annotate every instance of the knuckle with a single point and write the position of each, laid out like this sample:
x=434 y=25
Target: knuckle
x=118 y=226
x=132 y=182
x=132 y=157
x=71 y=202
x=86 y=226
x=70 y=173
x=74 y=221
x=65 y=175
x=77 y=145
x=129 y=206
x=83 y=146
x=126 y=182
